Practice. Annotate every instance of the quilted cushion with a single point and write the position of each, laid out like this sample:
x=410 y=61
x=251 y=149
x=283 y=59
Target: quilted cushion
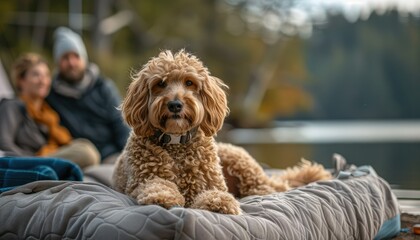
x=351 y=208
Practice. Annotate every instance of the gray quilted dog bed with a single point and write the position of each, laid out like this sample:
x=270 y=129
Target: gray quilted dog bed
x=352 y=208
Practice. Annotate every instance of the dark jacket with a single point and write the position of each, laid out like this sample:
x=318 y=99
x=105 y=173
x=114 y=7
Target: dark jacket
x=20 y=135
x=92 y=113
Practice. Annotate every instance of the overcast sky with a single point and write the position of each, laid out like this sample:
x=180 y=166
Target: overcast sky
x=271 y=17
x=361 y=9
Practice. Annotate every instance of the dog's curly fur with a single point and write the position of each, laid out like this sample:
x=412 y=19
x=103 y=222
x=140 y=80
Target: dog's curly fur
x=175 y=94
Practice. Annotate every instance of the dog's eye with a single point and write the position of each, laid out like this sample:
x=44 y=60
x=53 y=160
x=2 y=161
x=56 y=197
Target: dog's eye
x=188 y=83
x=162 y=84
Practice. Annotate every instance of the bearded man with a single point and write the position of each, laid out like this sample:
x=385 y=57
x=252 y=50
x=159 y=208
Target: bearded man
x=85 y=100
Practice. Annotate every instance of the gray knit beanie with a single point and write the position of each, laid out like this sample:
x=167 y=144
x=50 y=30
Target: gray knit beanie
x=65 y=40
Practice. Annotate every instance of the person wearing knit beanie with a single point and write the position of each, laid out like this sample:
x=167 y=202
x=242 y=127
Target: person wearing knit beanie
x=86 y=100
x=65 y=40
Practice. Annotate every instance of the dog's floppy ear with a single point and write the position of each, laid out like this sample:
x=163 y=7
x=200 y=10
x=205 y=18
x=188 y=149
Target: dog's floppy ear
x=215 y=105
x=135 y=106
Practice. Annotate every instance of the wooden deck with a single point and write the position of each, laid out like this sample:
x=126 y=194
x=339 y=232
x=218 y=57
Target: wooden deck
x=409 y=200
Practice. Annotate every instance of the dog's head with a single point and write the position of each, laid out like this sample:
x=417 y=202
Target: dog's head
x=175 y=93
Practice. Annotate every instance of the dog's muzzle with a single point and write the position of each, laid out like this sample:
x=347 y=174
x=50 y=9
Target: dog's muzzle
x=175 y=106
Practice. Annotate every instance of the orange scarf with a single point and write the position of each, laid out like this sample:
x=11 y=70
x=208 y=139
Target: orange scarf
x=57 y=134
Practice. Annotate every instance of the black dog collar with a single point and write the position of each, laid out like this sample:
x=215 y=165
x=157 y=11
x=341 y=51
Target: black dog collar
x=162 y=138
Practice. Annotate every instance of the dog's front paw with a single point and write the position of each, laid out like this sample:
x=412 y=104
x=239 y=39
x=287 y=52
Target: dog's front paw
x=160 y=192
x=217 y=201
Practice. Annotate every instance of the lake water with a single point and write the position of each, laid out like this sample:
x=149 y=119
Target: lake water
x=391 y=148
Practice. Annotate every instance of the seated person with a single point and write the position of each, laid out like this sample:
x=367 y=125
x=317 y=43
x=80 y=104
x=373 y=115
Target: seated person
x=85 y=100
x=30 y=127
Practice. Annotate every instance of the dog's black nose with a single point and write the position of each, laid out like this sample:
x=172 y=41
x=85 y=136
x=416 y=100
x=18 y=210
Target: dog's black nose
x=175 y=106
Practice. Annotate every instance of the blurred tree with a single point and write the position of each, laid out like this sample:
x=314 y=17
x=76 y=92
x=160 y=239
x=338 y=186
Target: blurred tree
x=365 y=70
x=285 y=95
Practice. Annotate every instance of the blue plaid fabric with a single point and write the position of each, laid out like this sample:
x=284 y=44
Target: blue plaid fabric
x=16 y=171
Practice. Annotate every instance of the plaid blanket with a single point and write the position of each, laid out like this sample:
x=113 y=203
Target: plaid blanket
x=16 y=171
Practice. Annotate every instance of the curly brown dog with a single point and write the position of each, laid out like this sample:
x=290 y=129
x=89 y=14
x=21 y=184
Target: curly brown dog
x=175 y=108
